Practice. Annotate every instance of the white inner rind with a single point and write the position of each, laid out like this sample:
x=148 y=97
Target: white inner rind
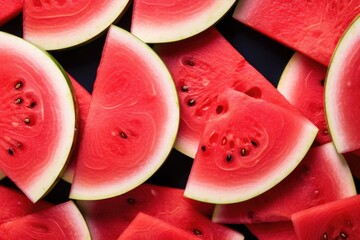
x=42 y=180
x=164 y=143
x=150 y=32
x=75 y=33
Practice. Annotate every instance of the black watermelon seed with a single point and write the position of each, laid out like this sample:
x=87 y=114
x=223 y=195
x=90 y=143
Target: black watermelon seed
x=243 y=152
x=27 y=120
x=10 y=151
x=197 y=232
x=229 y=157
x=184 y=88
x=130 y=201
x=123 y=135
x=203 y=148
x=18 y=100
x=191 y=102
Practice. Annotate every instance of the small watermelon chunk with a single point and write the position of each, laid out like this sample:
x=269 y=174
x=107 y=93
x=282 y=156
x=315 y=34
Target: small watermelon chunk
x=55 y=25
x=273 y=230
x=108 y=218
x=322 y=176
x=62 y=222
x=159 y=21
x=202 y=67
x=310 y=27
x=334 y=220
x=39 y=120
x=302 y=84
x=10 y=9
x=144 y=226
x=249 y=145
x=342 y=90
x=15 y=204
x=124 y=141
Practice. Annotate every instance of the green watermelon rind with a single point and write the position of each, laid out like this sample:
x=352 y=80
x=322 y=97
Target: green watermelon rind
x=164 y=148
x=78 y=35
x=151 y=33
x=338 y=62
x=48 y=63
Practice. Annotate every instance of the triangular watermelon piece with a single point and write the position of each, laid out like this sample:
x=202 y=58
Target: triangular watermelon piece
x=10 y=9
x=159 y=21
x=310 y=27
x=322 y=176
x=202 y=67
x=108 y=218
x=273 y=230
x=249 y=145
x=334 y=220
x=144 y=226
x=63 y=222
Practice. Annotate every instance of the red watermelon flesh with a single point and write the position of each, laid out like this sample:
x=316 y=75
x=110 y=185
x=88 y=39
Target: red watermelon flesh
x=9 y=9
x=83 y=99
x=302 y=84
x=322 y=176
x=62 y=222
x=310 y=27
x=62 y=24
x=249 y=145
x=273 y=230
x=334 y=220
x=202 y=67
x=144 y=226
x=124 y=141
x=14 y=204
x=108 y=218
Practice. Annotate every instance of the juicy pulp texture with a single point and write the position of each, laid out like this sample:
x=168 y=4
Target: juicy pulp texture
x=124 y=140
x=159 y=21
x=310 y=27
x=342 y=91
x=248 y=146
x=62 y=24
x=38 y=116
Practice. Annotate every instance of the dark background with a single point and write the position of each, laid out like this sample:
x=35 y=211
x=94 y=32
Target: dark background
x=266 y=55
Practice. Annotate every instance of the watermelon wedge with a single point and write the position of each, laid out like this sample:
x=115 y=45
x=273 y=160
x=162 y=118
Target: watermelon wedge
x=159 y=21
x=38 y=116
x=334 y=220
x=62 y=222
x=239 y=155
x=147 y=227
x=273 y=231
x=202 y=67
x=10 y=9
x=322 y=176
x=124 y=141
x=342 y=89
x=310 y=27
x=302 y=84
x=108 y=218
x=55 y=25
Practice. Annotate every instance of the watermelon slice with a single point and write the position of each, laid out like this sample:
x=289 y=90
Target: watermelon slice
x=83 y=99
x=273 y=231
x=311 y=27
x=302 y=84
x=15 y=204
x=159 y=21
x=39 y=117
x=124 y=140
x=334 y=220
x=322 y=176
x=62 y=24
x=147 y=227
x=202 y=67
x=108 y=218
x=342 y=89
x=10 y=9
x=241 y=135
x=62 y=222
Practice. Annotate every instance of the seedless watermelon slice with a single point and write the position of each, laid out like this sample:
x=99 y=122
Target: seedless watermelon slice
x=310 y=27
x=248 y=146
x=9 y=9
x=172 y=20
x=62 y=222
x=132 y=121
x=62 y=24
x=342 y=91
x=38 y=116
